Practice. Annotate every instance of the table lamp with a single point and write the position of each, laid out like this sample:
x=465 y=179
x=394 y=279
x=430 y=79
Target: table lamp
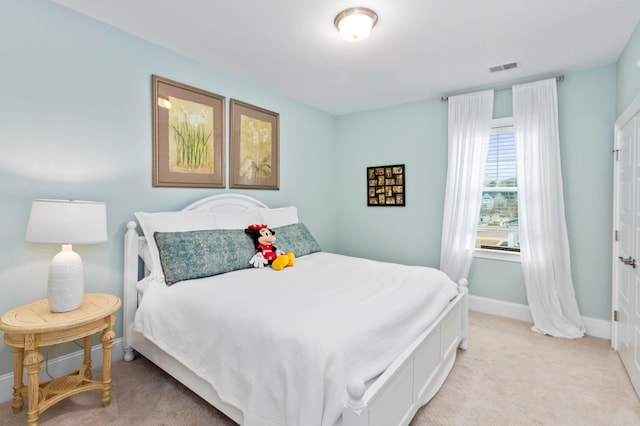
x=66 y=222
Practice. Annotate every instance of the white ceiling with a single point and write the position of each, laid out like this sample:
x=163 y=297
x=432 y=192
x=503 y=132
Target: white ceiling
x=420 y=49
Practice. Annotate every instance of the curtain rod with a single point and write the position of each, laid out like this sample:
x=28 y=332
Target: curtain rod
x=559 y=79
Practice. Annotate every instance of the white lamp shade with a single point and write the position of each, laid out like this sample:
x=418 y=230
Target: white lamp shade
x=67 y=222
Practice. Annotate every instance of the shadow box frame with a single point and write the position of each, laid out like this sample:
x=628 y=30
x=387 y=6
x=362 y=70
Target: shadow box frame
x=386 y=186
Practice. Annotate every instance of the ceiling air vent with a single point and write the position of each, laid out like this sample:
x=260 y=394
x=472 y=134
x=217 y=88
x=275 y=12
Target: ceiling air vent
x=504 y=67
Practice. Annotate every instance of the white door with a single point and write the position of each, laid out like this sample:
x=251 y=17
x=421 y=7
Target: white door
x=626 y=297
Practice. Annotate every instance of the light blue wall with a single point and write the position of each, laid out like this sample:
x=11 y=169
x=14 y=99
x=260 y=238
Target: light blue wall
x=586 y=102
x=75 y=97
x=628 y=83
x=416 y=135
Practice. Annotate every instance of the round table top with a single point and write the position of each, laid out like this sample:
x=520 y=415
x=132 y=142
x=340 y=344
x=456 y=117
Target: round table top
x=37 y=317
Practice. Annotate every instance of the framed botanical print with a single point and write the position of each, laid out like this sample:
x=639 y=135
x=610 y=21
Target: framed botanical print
x=188 y=136
x=254 y=153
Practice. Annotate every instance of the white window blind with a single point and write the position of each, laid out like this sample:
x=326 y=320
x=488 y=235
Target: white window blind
x=498 y=219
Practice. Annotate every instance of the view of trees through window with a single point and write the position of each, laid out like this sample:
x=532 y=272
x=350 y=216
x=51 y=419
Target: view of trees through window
x=498 y=221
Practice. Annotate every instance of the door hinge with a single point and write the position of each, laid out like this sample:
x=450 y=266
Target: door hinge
x=616 y=235
x=616 y=153
x=615 y=316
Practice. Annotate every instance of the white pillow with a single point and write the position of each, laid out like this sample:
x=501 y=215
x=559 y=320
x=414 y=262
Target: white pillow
x=275 y=218
x=145 y=255
x=233 y=219
x=193 y=220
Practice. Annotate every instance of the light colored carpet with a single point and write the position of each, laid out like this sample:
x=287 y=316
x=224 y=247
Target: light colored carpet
x=508 y=376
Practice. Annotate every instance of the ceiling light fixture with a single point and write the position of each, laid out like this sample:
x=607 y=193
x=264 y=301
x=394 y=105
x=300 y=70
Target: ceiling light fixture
x=355 y=23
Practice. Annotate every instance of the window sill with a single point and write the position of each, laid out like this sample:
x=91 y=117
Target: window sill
x=508 y=256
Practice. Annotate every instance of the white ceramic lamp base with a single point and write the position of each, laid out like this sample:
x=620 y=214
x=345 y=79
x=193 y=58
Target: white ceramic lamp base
x=66 y=280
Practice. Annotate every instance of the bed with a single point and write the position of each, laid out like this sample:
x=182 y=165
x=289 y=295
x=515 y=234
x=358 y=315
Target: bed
x=297 y=346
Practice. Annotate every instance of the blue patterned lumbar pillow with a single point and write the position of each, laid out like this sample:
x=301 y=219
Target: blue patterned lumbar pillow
x=295 y=238
x=199 y=254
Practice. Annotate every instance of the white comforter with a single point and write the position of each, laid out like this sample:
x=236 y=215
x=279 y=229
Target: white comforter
x=281 y=345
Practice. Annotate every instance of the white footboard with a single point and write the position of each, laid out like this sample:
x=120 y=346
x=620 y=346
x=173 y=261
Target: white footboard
x=415 y=377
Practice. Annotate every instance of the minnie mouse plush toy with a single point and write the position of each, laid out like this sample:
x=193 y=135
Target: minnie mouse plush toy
x=266 y=253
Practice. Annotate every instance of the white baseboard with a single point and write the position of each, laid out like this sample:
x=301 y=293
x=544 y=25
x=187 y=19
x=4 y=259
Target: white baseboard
x=62 y=365
x=594 y=327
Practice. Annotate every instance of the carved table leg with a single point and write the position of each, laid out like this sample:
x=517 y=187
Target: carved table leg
x=87 y=357
x=18 y=359
x=32 y=362
x=107 y=338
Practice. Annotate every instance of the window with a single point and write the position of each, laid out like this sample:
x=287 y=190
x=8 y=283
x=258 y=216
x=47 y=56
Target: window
x=498 y=219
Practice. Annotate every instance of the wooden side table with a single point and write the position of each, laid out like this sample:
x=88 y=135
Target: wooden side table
x=32 y=326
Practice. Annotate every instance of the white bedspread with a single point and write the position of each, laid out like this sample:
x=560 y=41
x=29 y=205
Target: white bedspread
x=281 y=345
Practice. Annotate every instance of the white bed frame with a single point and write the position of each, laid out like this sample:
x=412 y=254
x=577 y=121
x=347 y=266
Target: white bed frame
x=393 y=398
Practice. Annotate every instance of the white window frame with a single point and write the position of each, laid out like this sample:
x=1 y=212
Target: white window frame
x=509 y=256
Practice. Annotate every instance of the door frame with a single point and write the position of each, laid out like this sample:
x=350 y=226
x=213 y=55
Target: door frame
x=625 y=117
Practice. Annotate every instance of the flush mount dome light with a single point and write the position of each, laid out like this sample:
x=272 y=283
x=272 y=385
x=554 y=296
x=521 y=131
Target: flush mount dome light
x=355 y=23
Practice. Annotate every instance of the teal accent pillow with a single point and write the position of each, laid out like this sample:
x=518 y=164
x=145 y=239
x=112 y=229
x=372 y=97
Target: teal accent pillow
x=199 y=254
x=295 y=238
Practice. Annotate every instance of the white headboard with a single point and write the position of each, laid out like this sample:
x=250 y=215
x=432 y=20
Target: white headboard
x=227 y=202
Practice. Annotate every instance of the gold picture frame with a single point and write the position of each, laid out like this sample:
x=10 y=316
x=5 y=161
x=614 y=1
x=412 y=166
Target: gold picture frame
x=189 y=138
x=254 y=153
x=386 y=186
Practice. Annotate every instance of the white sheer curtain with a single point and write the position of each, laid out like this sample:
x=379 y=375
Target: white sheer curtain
x=544 y=244
x=469 y=132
